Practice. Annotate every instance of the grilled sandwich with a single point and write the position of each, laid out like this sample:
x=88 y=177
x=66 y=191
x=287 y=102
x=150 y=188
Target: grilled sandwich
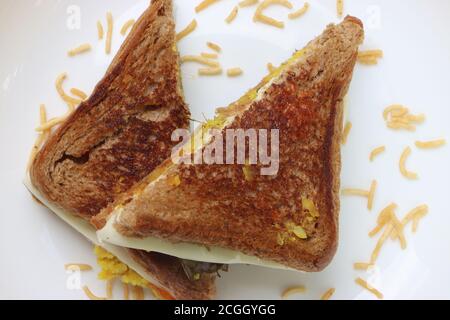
x=116 y=138
x=222 y=212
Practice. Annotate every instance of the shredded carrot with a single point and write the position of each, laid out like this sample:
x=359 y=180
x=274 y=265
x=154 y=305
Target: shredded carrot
x=138 y=293
x=109 y=32
x=234 y=72
x=293 y=290
x=370 y=57
x=402 y=164
x=371 y=196
x=328 y=294
x=380 y=243
x=377 y=151
x=371 y=53
x=363 y=193
x=398 y=118
x=80 y=49
x=92 y=296
x=188 y=30
x=346 y=132
x=383 y=218
x=430 y=144
x=363 y=266
x=127 y=26
x=300 y=12
x=51 y=123
x=100 y=31
x=340 y=7
x=42 y=137
x=205 y=4
x=260 y=17
x=126 y=291
x=77 y=266
x=71 y=102
x=201 y=60
x=210 y=71
x=160 y=293
x=209 y=55
x=78 y=93
x=368 y=287
x=355 y=192
x=214 y=46
x=247 y=3
x=109 y=288
x=232 y=15
x=415 y=215
x=398 y=231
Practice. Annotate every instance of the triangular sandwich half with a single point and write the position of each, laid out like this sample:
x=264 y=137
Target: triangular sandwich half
x=116 y=138
x=290 y=217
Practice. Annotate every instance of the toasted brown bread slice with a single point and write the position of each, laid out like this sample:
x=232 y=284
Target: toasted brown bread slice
x=265 y=216
x=123 y=131
x=120 y=134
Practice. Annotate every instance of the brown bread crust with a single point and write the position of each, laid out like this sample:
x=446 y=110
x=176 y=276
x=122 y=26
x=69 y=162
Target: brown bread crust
x=120 y=134
x=215 y=205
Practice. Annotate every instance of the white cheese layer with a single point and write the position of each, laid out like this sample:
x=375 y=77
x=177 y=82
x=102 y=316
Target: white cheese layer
x=181 y=250
x=87 y=230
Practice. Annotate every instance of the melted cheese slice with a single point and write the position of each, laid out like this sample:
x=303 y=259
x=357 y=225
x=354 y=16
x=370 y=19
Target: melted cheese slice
x=87 y=230
x=112 y=241
x=181 y=250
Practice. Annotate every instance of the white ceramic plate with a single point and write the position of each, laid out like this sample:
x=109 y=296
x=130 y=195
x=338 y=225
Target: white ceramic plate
x=35 y=36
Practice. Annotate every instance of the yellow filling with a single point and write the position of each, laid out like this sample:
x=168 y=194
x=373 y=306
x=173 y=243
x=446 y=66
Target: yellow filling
x=174 y=181
x=298 y=231
x=309 y=206
x=112 y=268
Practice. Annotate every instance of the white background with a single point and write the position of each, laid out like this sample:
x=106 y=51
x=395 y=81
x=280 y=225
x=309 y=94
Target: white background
x=34 y=37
